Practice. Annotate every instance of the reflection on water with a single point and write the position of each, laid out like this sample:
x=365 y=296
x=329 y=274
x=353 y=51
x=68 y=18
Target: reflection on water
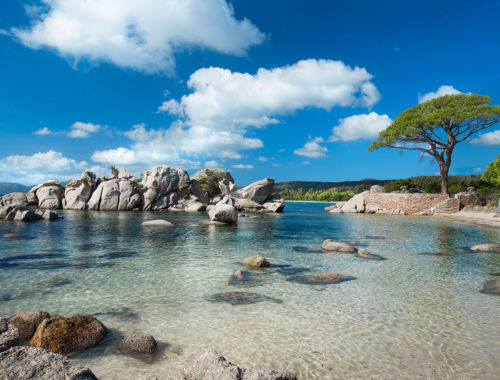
x=418 y=314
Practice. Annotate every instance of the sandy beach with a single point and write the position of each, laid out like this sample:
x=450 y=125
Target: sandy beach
x=480 y=218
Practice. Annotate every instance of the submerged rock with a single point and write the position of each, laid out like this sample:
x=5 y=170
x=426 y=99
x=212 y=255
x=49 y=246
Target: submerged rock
x=488 y=248
x=66 y=335
x=491 y=287
x=157 y=222
x=335 y=246
x=364 y=254
x=321 y=278
x=256 y=261
x=27 y=322
x=241 y=298
x=141 y=343
x=36 y=363
x=300 y=248
x=9 y=335
x=244 y=278
x=213 y=366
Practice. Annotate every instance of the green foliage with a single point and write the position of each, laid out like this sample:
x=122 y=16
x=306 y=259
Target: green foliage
x=114 y=171
x=395 y=185
x=492 y=173
x=329 y=195
x=413 y=124
x=209 y=184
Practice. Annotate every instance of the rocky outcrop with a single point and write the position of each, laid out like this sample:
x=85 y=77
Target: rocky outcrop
x=141 y=343
x=274 y=204
x=78 y=192
x=35 y=363
x=116 y=195
x=258 y=191
x=9 y=335
x=488 y=248
x=335 y=246
x=208 y=184
x=256 y=261
x=27 y=322
x=47 y=195
x=399 y=204
x=10 y=201
x=67 y=335
x=163 y=185
x=26 y=214
x=223 y=212
x=212 y=365
x=189 y=203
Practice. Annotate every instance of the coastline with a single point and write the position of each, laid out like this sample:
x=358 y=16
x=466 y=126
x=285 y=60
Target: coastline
x=483 y=219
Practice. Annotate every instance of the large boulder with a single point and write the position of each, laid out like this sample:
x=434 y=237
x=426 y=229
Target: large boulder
x=209 y=183
x=335 y=246
x=9 y=335
x=10 y=201
x=213 y=366
x=116 y=194
x=258 y=191
x=356 y=204
x=35 y=363
x=274 y=204
x=78 y=192
x=66 y=335
x=48 y=195
x=159 y=182
x=27 y=322
x=223 y=212
x=24 y=214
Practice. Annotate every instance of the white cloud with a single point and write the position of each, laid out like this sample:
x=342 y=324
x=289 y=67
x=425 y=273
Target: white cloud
x=356 y=127
x=41 y=167
x=81 y=130
x=489 y=138
x=224 y=108
x=312 y=149
x=443 y=90
x=241 y=166
x=478 y=170
x=262 y=159
x=43 y=131
x=212 y=164
x=143 y=35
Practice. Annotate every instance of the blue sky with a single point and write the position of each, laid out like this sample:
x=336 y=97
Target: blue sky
x=292 y=90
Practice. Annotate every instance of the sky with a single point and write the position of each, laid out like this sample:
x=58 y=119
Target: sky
x=292 y=90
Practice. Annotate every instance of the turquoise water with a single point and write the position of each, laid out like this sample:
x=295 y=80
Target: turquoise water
x=417 y=314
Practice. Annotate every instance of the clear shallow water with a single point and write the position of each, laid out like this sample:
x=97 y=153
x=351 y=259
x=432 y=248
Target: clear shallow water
x=412 y=316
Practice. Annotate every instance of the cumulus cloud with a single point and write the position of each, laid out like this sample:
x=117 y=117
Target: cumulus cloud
x=212 y=164
x=357 y=127
x=489 y=138
x=218 y=117
x=81 y=130
x=41 y=167
x=242 y=166
x=43 y=131
x=312 y=149
x=143 y=35
x=443 y=90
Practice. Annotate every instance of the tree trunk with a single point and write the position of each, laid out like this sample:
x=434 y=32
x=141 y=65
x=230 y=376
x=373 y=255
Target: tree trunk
x=444 y=179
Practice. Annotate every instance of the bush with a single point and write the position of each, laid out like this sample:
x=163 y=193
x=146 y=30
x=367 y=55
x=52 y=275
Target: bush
x=492 y=173
x=395 y=185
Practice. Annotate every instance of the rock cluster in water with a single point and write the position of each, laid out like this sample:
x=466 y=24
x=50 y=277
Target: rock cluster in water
x=161 y=188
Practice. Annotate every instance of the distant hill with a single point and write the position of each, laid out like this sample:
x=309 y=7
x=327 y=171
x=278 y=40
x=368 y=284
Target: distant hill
x=306 y=185
x=10 y=187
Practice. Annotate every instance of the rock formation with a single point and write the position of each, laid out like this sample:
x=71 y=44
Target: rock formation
x=9 y=335
x=47 y=195
x=140 y=343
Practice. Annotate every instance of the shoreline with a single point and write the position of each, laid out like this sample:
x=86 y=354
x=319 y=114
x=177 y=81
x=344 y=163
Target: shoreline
x=483 y=219
x=332 y=202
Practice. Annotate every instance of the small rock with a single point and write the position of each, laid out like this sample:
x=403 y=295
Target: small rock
x=67 y=335
x=257 y=261
x=321 y=278
x=25 y=362
x=214 y=366
x=488 y=248
x=157 y=222
x=224 y=213
x=491 y=287
x=141 y=343
x=9 y=336
x=330 y=245
x=363 y=253
x=27 y=322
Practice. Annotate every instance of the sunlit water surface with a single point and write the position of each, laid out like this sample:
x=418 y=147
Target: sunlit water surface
x=415 y=315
